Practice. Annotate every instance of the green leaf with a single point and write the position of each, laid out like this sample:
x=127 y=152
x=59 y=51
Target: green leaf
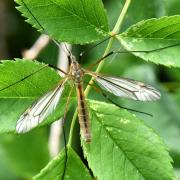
x=41 y=78
x=168 y=126
x=26 y=155
x=75 y=21
x=154 y=34
x=123 y=147
x=75 y=169
x=17 y=98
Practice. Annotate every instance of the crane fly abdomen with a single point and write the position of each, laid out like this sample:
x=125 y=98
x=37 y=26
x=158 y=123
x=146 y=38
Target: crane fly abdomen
x=83 y=114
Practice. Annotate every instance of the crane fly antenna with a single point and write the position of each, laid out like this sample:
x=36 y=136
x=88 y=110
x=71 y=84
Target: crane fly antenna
x=126 y=51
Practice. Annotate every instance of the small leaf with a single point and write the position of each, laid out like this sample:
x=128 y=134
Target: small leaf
x=154 y=34
x=76 y=21
x=75 y=169
x=123 y=147
x=17 y=98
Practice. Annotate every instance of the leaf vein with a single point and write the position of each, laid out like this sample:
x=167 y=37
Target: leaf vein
x=90 y=24
x=118 y=145
x=160 y=29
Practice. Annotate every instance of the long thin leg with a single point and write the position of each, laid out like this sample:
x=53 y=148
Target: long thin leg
x=63 y=128
x=50 y=65
x=123 y=52
x=24 y=78
x=31 y=74
x=92 y=47
x=67 y=103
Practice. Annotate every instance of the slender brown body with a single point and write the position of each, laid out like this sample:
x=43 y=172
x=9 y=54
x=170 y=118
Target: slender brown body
x=83 y=113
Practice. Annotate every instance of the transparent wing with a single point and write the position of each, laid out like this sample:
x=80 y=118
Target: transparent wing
x=39 y=110
x=128 y=88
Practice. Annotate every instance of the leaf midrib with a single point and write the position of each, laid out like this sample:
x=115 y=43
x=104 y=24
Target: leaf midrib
x=118 y=145
x=139 y=31
x=142 y=38
x=72 y=13
x=79 y=17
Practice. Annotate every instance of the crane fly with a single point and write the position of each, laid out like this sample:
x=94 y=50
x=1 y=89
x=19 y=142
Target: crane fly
x=121 y=87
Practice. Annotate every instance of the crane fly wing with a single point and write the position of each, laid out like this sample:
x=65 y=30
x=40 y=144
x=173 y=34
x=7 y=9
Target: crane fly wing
x=128 y=88
x=39 y=110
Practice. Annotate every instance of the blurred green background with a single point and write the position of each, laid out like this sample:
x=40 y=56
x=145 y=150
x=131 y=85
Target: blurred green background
x=21 y=157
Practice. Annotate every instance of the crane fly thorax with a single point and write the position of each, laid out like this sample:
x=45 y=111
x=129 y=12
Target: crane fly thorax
x=76 y=72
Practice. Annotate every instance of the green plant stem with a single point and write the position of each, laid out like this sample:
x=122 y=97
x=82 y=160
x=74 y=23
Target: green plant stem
x=115 y=30
x=120 y=20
